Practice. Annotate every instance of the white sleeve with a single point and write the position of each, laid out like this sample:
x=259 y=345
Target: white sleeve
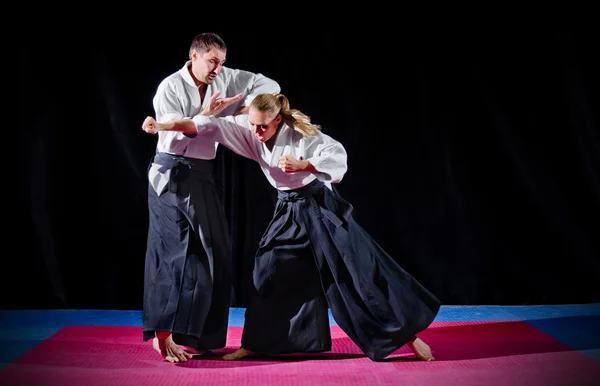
x=328 y=156
x=261 y=85
x=252 y=84
x=231 y=131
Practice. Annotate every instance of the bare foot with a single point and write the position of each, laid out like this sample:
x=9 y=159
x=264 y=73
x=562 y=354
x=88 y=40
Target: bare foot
x=155 y=345
x=421 y=350
x=193 y=351
x=238 y=354
x=187 y=349
x=168 y=349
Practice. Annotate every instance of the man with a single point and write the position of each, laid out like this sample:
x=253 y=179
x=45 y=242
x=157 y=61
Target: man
x=187 y=278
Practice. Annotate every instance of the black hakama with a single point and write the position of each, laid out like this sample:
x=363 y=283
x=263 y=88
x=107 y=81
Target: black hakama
x=314 y=255
x=187 y=282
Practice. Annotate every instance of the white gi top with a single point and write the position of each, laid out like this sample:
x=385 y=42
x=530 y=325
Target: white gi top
x=177 y=97
x=327 y=155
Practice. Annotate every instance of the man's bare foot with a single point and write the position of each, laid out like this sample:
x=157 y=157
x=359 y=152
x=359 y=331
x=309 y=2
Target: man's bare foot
x=421 y=349
x=238 y=354
x=193 y=351
x=168 y=349
x=155 y=345
x=187 y=349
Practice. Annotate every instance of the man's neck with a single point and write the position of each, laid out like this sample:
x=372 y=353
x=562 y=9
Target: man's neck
x=199 y=84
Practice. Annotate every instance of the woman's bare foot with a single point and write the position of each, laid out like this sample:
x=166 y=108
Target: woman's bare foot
x=421 y=349
x=168 y=349
x=238 y=354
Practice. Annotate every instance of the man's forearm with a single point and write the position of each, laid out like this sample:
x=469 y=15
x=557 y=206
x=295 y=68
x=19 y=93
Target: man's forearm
x=242 y=110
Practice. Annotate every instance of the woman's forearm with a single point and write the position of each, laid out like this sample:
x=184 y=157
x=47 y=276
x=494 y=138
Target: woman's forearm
x=185 y=126
x=306 y=166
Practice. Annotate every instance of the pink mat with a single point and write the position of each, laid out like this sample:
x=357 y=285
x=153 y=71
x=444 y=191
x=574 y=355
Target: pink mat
x=500 y=353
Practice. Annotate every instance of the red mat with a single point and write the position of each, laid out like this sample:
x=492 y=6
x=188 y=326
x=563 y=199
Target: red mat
x=500 y=353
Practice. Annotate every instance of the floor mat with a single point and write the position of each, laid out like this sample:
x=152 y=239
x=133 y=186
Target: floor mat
x=467 y=353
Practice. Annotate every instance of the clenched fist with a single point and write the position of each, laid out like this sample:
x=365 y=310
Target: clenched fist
x=150 y=125
x=289 y=164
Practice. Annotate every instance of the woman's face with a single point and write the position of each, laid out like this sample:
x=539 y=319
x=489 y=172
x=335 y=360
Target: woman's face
x=263 y=126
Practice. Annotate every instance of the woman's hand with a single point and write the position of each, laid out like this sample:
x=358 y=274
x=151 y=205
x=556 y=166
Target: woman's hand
x=150 y=125
x=290 y=164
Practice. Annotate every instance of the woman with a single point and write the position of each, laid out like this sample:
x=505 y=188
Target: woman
x=313 y=255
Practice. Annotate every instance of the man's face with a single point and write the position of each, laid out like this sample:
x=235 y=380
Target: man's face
x=207 y=65
x=263 y=126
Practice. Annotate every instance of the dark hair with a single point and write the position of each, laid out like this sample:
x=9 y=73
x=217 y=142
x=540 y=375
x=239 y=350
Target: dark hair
x=205 y=41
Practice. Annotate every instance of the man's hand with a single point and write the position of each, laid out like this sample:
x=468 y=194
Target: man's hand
x=150 y=126
x=289 y=164
x=216 y=105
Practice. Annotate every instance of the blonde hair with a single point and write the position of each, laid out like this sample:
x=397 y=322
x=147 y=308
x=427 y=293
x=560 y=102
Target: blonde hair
x=275 y=104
